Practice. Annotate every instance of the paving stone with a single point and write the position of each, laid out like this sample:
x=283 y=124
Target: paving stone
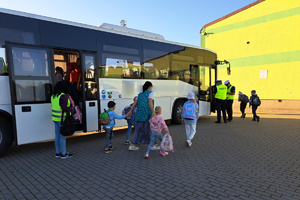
x=237 y=160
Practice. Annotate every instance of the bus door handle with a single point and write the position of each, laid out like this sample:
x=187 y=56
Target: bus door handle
x=26 y=108
x=92 y=104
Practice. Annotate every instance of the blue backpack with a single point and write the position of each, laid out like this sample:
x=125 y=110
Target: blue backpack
x=256 y=101
x=189 y=111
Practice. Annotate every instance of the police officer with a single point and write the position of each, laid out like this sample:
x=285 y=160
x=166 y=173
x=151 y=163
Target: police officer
x=230 y=97
x=220 y=97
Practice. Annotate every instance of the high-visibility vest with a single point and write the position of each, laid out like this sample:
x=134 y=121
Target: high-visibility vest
x=56 y=109
x=229 y=96
x=221 y=92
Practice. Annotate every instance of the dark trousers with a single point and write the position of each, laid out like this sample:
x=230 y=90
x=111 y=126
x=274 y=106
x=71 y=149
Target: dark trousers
x=229 y=109
x=221 y=105
x=254 y=108
x=243 y=107
x=74 y=92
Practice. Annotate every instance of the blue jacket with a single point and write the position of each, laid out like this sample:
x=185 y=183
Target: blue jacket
x=112 y=116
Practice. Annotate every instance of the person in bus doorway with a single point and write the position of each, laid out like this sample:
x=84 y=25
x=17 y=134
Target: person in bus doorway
x=59 y=74
x=74 y=80
x=60 y=102
x=220 y=98
x=144 y=112
x=230 y=98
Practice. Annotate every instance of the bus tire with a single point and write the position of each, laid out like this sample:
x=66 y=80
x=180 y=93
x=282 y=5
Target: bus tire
x=177 y=110
x=6 y=135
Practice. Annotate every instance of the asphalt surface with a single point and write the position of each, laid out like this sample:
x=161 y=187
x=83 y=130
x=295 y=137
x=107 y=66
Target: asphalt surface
x=238 y=160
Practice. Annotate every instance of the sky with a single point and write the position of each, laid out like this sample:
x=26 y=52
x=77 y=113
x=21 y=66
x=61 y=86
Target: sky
x=177 y=20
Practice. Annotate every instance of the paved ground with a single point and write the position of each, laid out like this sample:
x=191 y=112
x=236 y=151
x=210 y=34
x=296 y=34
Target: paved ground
x=237 y=160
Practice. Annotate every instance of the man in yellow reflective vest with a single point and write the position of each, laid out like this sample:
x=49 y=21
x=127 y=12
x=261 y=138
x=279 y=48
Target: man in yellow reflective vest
x=220 y=97
x=230 y=97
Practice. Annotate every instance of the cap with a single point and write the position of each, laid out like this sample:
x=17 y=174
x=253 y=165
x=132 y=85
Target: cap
x=218 y=81
x=191 y=95
x=134 y=99
x=226 y=82
x=111 y=104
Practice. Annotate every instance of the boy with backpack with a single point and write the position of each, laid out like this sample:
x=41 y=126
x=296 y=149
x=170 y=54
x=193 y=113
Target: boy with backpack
x=130 y=120
x=190 y=114
x=254 y=102
x=244 y=100
x=107 y=119
x=157 y=123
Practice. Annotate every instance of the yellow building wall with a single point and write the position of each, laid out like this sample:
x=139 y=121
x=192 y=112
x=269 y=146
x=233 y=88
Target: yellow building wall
x=263 y=37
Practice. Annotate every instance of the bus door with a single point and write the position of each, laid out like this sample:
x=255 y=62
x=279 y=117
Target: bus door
x=212 y=83
x=30 y=73
x=89 y=89
x=204 y=90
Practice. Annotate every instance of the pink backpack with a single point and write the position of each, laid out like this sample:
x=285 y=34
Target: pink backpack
x=76 y=111
x=166 y=143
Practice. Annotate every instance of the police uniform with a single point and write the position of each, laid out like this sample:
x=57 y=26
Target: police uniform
x=231 y=89
x=220 y=97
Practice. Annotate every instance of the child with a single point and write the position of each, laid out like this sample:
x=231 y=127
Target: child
x=244 y=100
x=109 y=127
x=190 y=114
x=254 y=102
x=130 y=120
x=157 y=123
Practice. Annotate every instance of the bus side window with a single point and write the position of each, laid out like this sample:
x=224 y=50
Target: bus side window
x=3 y=67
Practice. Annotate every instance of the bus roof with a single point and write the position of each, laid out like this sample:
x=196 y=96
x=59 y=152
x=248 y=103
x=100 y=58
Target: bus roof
x=105 y=28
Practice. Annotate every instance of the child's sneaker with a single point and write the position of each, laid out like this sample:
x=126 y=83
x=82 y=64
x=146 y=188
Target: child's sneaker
x=155 y=148
x=58 y=155
x=164 y=153
x=67 y=155
x=127 y=142
x=111 y=148
x=146 y=155
x=257 y=118
x=107 y=150
x=133 y=148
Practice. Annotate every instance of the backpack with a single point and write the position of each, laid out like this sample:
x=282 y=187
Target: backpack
x=189 y=111
x=104 y=118
x=67 y=126
x=255 y=101
x=126 y=110
x=166 y=143
x=244 y=99
x=75 y=111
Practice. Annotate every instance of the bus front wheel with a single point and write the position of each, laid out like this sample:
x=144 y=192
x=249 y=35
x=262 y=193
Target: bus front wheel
x=6 y=137
x=177 y=110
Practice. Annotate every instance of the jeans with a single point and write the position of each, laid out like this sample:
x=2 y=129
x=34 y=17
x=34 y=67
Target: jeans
x=229 y=109
x=221 y=105
x=190 y=130
x=254 y=108
x=153 y=137
x=109 y=136
x=60 y=140
x=242 y=107
x=131 y=122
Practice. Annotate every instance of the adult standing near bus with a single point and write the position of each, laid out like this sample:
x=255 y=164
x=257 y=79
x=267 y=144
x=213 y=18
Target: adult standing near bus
x=220 y=97
x=144 y=112
x=230 y=98
x=74 y=80
x=60 y=102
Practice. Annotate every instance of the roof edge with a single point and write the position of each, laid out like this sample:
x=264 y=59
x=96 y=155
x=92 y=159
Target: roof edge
x=231 y=14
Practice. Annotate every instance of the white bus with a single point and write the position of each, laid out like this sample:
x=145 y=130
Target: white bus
x=115 y=63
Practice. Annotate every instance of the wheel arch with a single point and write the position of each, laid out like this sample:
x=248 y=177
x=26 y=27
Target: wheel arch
x=7 y=116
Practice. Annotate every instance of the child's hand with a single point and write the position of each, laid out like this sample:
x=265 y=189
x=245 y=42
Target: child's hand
x=128 y=114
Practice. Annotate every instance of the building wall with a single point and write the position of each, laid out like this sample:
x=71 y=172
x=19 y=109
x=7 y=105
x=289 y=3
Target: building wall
x=265 y=36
